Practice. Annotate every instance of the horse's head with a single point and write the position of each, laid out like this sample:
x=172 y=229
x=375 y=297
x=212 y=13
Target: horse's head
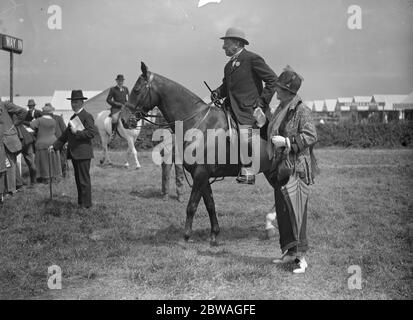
x=143 y=97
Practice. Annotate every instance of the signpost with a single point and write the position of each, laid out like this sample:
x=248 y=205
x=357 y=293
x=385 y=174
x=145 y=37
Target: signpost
x=12 y=45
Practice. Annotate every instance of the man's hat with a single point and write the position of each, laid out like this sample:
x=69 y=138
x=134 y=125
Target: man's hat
x=120 y=77
x=48 y=108
x=31 y=103
x=234 y=33
x=77 y=95
x=290 y=80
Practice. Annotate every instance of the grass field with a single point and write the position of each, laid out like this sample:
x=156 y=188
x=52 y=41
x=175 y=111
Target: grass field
x=130 y=245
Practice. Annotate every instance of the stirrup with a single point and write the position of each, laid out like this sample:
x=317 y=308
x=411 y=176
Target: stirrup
x=246 y=179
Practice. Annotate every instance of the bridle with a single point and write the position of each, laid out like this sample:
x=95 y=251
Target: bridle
x=140 y=114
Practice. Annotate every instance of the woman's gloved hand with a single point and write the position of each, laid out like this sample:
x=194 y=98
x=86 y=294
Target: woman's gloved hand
x=279 y=141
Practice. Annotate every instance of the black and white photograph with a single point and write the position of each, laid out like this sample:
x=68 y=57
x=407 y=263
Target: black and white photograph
x=206 y=155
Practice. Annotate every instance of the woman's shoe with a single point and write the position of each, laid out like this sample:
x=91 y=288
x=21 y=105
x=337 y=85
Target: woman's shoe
x=301 y=265
x=286 y=258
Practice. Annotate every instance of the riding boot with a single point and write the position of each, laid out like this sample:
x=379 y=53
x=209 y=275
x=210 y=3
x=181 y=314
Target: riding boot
x=247 y=174
x=114 y=131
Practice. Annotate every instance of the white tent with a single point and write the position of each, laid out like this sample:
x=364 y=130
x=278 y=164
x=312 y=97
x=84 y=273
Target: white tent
x=344 y=103
x=362 y=102
x=318 y=105
x=406 y=104
x=331 y=104
x=392 y=99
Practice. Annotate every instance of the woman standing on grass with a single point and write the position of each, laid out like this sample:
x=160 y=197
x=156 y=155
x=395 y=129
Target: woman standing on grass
x=46 y=129
x=291 y=133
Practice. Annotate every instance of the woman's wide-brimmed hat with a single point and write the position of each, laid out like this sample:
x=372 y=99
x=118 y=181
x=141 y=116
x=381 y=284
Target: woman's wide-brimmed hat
x=290 y=80
x=48 y=108
x=77 y=95
x=235 y=33
x=31 y=103
x=120 y=77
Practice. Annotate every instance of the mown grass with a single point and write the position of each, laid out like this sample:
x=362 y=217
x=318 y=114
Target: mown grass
x=130 y=246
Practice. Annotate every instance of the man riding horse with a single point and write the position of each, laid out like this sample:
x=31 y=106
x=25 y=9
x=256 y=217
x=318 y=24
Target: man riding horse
x=243 y=90
x=117 y=97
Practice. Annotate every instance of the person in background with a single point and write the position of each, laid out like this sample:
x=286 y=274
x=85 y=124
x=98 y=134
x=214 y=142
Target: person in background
x=60 y=128
x=45 y=128
x=291 y=132
x=79 y=148
x=10 y=145
x=117 y=97
x=32 y=113
x=168 y=153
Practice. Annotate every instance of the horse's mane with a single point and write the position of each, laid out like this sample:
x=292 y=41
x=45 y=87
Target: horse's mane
x=195 y=99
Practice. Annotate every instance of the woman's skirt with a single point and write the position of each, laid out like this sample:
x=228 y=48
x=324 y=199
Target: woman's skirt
x=42 y=164
x=8 y=177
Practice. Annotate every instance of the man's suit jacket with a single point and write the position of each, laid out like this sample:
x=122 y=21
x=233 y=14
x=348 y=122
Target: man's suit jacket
x=9 y=138
x=117 y=97
x=243 y=85
x=79 y=144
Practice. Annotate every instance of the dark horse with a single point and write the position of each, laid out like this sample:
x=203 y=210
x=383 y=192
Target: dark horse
x=179 y=104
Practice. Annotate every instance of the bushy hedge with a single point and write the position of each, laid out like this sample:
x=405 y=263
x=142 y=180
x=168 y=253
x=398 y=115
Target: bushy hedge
x=345 y=134
x=348 y=134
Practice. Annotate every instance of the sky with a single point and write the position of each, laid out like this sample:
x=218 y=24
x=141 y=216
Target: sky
x=99 y=39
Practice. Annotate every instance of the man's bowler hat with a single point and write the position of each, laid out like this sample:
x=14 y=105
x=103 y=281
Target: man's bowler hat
x=77 y=95
x=31 y=103
x=120 y=77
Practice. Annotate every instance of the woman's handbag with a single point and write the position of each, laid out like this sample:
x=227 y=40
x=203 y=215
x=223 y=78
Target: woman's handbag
x=285 y=168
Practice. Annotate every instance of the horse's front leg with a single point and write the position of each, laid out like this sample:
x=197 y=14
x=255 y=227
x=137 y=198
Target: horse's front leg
x=131 y=149
x=210 y=206
x=190 y=211
x=135 y=155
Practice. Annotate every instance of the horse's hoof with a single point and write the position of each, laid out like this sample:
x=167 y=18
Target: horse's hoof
x=137 y=168
x=188 y=239
x=126 y=165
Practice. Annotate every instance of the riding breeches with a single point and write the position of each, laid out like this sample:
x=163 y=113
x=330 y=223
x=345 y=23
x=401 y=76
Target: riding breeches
x=115 y=116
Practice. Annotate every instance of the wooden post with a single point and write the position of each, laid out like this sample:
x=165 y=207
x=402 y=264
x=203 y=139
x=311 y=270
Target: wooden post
x=11 y=76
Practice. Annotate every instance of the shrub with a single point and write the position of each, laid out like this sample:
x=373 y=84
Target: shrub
x=370 y=135
x=343 y=134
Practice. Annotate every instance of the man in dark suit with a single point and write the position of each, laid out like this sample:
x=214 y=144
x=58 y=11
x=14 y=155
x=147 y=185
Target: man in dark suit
x=80 y=148
x=243 y=88
x=10 y=144
x=117 y=97
x=32 y=113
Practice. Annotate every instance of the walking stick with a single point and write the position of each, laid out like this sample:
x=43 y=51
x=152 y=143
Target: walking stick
x=50 y=174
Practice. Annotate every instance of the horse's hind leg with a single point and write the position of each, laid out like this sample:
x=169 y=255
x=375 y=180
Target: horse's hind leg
x=190 y=211
x=210 y=205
